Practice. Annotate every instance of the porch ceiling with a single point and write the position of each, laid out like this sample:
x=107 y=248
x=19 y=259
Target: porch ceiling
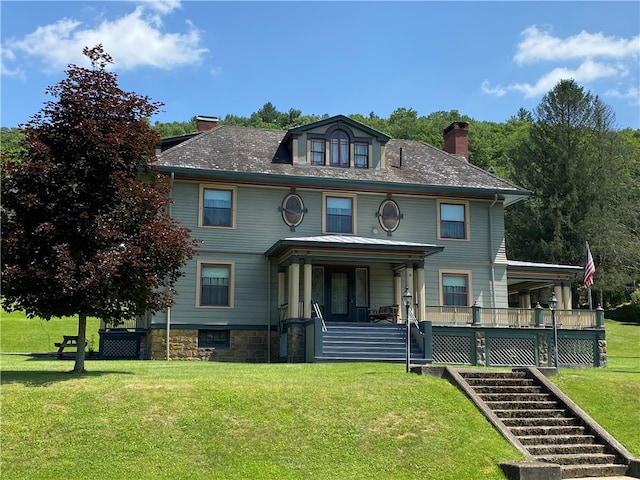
x=346 y=248
x=532 y=276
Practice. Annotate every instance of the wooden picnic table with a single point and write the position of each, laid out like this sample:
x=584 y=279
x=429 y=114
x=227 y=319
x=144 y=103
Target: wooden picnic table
x=67 y=341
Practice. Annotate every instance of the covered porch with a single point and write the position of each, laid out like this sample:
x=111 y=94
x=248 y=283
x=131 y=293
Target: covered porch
x=348 y=290
x=347 y=279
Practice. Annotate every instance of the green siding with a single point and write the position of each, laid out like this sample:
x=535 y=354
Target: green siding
x=259 y=225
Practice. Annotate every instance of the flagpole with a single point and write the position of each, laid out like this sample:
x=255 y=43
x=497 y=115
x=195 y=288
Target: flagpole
x=589 y=296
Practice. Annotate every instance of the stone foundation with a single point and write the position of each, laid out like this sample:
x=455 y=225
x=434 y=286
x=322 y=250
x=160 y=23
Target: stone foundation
x=296 y=340
x=249 y=346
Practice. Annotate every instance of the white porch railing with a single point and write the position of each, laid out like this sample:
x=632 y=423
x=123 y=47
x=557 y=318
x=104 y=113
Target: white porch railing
x=510 y=317
x=449 y=315
x=573 y=319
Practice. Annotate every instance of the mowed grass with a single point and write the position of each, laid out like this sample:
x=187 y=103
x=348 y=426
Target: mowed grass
x=165 y=420
x=611 y=395
x=34 y=335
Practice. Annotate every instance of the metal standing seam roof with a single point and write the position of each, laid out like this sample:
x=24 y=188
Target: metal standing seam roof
x=542 y=267
x=350 y=242
x=241 y=152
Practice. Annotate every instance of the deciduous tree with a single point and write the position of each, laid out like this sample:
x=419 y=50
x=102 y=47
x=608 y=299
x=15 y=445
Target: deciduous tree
x=83 y=213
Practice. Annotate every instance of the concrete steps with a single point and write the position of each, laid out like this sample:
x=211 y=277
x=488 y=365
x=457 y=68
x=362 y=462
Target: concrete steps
x=542 y=425
x=366 y=342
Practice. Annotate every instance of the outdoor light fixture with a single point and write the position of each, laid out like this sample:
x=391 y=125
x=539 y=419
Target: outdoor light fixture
x=406 y=298
x=553 y=305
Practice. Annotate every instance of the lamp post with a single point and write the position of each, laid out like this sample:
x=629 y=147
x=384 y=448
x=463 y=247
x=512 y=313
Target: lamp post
x=553 y=304
x=406 y=298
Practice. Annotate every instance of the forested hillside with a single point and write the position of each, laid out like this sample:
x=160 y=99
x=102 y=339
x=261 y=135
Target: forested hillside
x=583 y=172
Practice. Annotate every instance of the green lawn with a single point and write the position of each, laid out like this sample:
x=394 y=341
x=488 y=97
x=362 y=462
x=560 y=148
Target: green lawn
x=611 y=395
x=158 y=419
x=34 y=335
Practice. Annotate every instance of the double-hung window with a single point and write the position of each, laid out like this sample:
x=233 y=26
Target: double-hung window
x=453 y=222
x=339 y=214
x=217 y=207
x=455 y=289
x=215 y=285
x=318 y=148
x=361 y=155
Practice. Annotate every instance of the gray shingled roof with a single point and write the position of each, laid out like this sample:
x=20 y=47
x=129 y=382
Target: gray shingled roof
x=228 y=151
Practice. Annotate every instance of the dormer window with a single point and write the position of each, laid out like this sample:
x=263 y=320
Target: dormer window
x=339 y=149
x=318 y=151
x=361 y=155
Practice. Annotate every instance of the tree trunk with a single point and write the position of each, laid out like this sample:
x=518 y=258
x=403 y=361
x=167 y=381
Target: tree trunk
x=82 y=336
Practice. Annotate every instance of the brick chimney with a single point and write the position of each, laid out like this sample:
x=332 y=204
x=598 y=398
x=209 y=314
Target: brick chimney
x=204 y=123
x=456 y=139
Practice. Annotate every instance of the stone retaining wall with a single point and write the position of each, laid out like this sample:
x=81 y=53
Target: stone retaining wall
x=244 y=346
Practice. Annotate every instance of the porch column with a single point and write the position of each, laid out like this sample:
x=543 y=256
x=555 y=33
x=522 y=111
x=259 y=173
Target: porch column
x=566 y=295
x=408 y=271
x=294 y=288
x=306 y=288
x=397 y=290
x=282 y=287
x=420 y=292
x=557 y=289
x=524 y=299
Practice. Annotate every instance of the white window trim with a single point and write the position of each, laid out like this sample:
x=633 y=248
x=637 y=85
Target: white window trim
x=354 y=213
x=214 y=186
x=231 y=266
x=467 y=230
x=467 y=273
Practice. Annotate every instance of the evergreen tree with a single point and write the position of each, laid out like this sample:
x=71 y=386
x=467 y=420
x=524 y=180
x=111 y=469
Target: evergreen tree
x=574 y=164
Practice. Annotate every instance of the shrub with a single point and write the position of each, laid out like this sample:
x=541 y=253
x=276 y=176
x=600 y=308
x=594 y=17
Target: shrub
x=629 y=312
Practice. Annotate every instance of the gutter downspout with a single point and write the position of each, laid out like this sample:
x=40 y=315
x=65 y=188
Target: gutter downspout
x=491 y=255
x=167 y=354
x=268 y=310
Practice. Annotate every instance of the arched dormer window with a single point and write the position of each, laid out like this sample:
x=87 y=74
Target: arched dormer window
x=339 y=152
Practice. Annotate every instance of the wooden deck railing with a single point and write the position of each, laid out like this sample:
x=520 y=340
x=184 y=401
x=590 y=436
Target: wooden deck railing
x=510 y=317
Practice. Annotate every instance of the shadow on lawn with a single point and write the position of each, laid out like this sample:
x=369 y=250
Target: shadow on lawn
x=42 y=378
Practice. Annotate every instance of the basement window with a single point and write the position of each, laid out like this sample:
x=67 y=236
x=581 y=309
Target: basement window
x=213 y=338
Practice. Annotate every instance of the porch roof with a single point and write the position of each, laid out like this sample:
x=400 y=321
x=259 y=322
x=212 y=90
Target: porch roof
x=344 y=247
x=533 y=275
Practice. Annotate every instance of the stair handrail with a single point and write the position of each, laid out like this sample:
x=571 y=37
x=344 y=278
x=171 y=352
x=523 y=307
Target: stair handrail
x=415 y=321
x=318 y=312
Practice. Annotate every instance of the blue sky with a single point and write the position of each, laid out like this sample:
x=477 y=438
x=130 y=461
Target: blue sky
x=484 y=59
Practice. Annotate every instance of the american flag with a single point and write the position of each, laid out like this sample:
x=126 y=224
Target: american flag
x=589 y=269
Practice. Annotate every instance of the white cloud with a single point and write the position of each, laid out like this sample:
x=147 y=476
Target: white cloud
x=497 y=91
x=540 y=45
x=632 y=95
x=598 y=57
x=588 y=71
x=134 y=40
x=7 y=55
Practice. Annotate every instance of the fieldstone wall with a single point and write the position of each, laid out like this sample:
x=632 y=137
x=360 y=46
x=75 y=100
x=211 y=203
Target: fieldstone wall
x=602 y=351
x=296 y=341
x=481 y=349
x=249 y=346
x=543 y=350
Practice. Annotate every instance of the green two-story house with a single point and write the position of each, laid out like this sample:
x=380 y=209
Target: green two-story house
x=337 y=221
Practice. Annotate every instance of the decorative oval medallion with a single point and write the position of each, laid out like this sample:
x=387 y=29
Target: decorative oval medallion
x=389 y=215
x=292 y=210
